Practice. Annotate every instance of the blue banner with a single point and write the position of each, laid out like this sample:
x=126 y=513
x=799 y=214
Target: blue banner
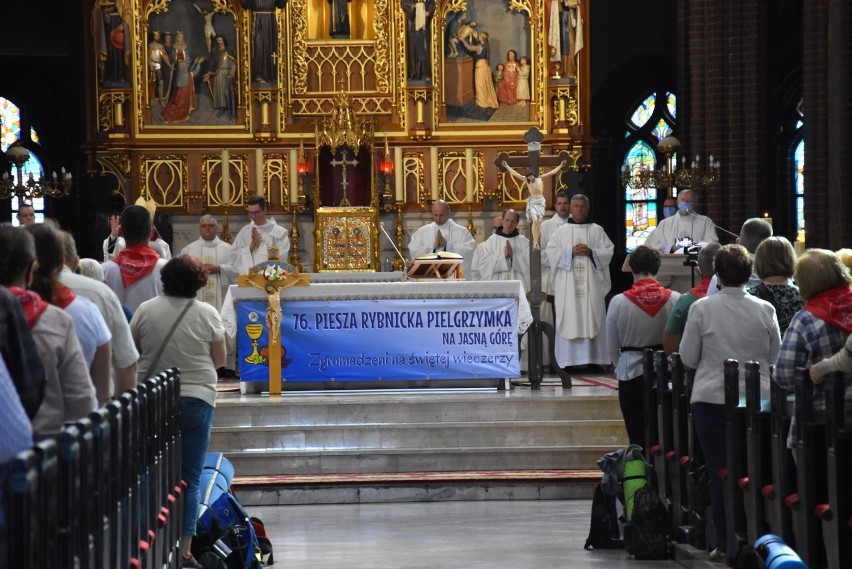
x=367 y=340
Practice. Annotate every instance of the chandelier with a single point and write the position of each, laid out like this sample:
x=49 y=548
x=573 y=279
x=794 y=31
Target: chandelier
x=665 y=176
x=29 y=188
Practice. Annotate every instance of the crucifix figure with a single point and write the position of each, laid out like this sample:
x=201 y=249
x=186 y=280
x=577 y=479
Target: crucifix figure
x=343 y=168
x=535 y=212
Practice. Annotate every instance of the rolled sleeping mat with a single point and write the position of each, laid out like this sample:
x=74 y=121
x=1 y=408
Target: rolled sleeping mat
x=634 y=479
x=776 y=554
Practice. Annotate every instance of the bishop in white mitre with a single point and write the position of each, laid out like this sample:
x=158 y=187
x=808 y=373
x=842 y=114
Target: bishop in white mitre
x=214 y=255
x=579 y=253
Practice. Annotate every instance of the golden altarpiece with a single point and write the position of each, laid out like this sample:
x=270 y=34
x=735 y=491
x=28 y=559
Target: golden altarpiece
x=200 y=104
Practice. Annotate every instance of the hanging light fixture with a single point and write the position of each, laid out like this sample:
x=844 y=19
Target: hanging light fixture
x=666 y=176
x=28 y=188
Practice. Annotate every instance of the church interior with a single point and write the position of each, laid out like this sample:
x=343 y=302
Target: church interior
x=744 y=84
x=353 y=117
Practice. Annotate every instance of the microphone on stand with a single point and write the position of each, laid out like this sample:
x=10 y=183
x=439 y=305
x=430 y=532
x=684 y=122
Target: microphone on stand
x=737 y=235
x=404 y=262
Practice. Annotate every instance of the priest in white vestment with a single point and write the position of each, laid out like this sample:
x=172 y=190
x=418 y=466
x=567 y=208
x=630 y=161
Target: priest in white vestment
x=684 y=229
x=562 y=208
x=214 y=255
x=251 y=246
x=443 y=234
x=579 y=253
x=505 y=256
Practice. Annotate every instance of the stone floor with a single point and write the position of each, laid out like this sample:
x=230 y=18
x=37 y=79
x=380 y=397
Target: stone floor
x=444 y=535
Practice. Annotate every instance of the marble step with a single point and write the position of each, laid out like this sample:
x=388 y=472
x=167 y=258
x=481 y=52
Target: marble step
x=297 y=461
x=417 y=435
x=344 y=409
x=416 y=487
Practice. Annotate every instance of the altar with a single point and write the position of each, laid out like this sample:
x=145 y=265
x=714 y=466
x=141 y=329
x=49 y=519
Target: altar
x=382 y=331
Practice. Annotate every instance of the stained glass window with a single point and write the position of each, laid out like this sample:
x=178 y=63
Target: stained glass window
x=799 y=176
x=10 y=132
x=647 y=124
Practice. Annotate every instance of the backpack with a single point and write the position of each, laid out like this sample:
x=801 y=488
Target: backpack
x=646 y=535
x=604 y=532
x=223 y=526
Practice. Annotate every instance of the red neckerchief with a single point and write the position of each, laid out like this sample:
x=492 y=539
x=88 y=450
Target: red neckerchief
x=136 y=262
x=834 y=306
x=31 y=303
x=63 y=296
x=649 y=295
x=700 y=290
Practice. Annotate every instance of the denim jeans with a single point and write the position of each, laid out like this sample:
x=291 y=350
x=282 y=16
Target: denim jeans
x=196 y=419
x=709 y=421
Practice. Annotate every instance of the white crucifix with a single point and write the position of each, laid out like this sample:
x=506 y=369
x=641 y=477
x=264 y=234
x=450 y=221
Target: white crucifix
x=343 y=168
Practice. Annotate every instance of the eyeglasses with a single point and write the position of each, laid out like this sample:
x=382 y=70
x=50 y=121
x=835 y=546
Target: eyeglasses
x=253 y=213
x=208 y=225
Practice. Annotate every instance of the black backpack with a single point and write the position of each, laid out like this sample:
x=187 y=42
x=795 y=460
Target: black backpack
x=603 y=531
x=646 y=535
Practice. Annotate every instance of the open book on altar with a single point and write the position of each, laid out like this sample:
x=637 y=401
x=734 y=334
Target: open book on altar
x=444 y=265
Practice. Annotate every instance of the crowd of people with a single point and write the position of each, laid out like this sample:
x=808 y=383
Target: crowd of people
x=69 y=342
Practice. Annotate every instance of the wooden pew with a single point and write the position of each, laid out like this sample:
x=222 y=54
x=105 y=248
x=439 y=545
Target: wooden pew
x=69 y=502
x=696 y=475
x=758 y=454
x=783 y=478
x=678 y=457
x=104 y=486
x=836 y=513
x=735 y=468
x=649 y=401
x=665 y=460
x=810 y=475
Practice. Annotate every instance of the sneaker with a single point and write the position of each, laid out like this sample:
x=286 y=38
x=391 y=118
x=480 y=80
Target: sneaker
x=718 y=556
x=191 y=562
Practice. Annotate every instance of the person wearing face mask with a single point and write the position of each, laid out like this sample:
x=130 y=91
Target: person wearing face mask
x=684 y=229
x=669 y=206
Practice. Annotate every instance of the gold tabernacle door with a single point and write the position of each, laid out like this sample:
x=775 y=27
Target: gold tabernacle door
x=444 y=266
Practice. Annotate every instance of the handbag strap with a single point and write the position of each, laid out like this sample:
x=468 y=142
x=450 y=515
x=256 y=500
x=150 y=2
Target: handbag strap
x=169 y=336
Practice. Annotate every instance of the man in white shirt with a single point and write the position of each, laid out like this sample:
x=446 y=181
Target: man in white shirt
x=503 y=256
x=214 y=255
x=579 y=253
x=124 y=353
x=251 y=246
x=443 y=234
x=134 y=274
x=684 y=229
x=114 y=243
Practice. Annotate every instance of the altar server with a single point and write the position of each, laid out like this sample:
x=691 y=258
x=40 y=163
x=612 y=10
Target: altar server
x=443 y=234
x=579 y=254
x=252 y=243
x=214 y=255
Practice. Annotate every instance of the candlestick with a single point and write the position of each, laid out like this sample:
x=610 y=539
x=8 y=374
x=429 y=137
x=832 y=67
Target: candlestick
x=226 y=179
x=397 y=173
x=294 y=176
x=468 y=174
x=258 y=170
x=433 y=162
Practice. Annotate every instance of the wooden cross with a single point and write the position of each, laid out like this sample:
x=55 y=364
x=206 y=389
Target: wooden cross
x=532 y=161
x=343 y=182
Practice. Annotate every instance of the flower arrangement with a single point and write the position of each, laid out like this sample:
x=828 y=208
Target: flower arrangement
x=274 y=272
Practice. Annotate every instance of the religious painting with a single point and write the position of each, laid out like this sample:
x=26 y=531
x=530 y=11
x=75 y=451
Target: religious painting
x=488 y=57
x=192 y=63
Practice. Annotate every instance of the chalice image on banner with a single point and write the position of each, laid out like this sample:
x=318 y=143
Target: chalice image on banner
x=254 y=331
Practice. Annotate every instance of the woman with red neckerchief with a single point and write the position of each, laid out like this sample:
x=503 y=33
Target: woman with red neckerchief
x=636 y=320
x=69 y=392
